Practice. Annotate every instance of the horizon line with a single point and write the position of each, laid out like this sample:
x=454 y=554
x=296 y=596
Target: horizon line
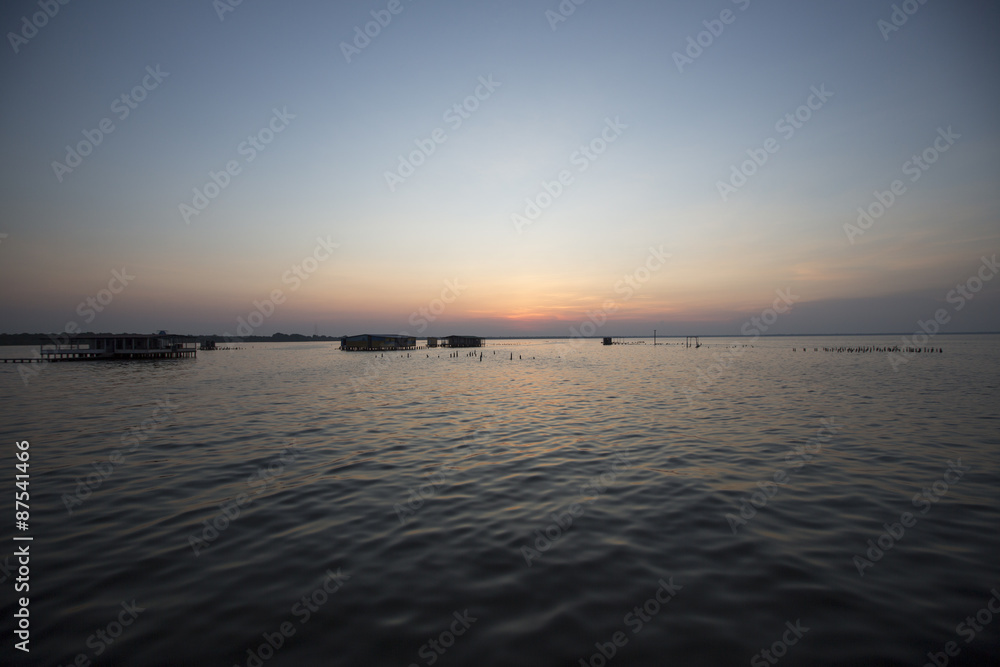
x=502 y=337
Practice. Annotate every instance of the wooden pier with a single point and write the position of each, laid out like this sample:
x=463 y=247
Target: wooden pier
x=378 y=343
x=462 y=341
x=609 y=340
x=117 y=347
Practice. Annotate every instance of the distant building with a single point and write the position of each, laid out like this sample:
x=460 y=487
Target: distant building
x=377 y=342
x=607 y=340
x=432 y=342
x=462 y=341
x=121 y=346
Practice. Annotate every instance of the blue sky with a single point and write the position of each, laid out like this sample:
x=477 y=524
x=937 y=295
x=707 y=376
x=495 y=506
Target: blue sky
x=321 y=180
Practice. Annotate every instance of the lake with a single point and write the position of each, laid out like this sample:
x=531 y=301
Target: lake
x=552 y=502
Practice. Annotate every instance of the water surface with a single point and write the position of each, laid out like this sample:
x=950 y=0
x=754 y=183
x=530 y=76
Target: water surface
x=513 y=511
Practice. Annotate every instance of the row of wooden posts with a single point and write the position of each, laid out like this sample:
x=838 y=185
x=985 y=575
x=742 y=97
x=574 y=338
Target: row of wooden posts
x=877 y=348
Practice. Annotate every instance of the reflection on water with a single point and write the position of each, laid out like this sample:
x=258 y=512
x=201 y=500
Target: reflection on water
x=293 y=504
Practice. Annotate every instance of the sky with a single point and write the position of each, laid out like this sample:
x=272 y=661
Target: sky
x=499 y=168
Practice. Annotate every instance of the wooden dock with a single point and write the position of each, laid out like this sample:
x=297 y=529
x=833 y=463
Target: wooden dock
x=609 y=340
x=118 y=347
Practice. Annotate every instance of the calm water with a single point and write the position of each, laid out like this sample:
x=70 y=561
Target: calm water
x=427 y=486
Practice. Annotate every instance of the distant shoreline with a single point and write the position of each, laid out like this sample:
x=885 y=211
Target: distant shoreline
x=41 y=339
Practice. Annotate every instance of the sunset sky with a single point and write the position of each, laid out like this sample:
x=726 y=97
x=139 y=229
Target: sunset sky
x=494 y=102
